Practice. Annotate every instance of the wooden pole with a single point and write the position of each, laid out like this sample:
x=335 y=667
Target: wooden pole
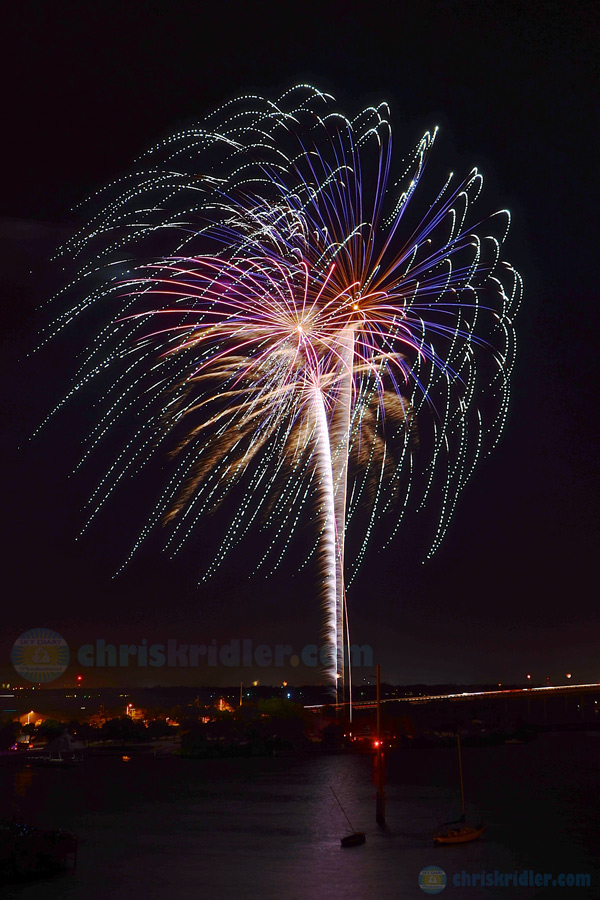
x=380 y=800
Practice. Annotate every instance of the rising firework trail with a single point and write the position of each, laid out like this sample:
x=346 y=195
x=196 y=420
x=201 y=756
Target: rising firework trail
x=286 y=317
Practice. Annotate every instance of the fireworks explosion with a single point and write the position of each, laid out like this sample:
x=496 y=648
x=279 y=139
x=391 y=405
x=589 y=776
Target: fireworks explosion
x=285 y=317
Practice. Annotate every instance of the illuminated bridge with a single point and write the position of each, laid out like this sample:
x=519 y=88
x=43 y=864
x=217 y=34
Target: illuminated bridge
x=561 y=705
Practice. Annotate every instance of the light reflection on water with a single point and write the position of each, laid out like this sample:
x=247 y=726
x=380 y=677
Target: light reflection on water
x=158 y=828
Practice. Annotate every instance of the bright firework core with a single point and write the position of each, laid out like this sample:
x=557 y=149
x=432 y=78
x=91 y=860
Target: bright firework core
x=283 y=318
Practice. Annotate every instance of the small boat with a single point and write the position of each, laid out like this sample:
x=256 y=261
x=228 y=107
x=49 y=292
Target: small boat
x=458 y=832
x=54 y=762
x=355 y=838
x=458 y=835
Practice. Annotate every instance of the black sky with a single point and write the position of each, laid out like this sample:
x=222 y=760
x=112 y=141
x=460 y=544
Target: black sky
x=514 y=87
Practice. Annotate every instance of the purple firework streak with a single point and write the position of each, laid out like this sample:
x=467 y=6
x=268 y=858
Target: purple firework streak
x=286 y=317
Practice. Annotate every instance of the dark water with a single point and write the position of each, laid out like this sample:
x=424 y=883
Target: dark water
x=247 y=829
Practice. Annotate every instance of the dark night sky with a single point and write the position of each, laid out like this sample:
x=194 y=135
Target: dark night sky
x=514 y=87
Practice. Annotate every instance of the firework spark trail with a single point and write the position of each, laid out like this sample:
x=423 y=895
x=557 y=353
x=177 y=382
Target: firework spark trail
x=281 y=320
x=330 y=537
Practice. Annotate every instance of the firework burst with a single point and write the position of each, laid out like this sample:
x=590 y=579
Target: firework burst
x=282 y=317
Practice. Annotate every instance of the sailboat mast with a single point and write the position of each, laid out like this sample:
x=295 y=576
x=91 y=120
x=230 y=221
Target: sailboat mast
x=462 y=788
x=342 y=808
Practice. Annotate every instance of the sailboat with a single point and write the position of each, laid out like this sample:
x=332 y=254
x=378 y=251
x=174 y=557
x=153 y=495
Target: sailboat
x=458 y=832
x=355 y=838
